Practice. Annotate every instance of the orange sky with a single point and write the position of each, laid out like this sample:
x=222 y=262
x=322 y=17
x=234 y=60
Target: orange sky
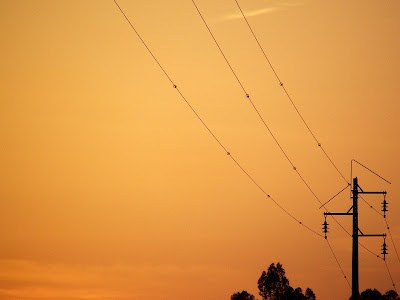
x=111 y=188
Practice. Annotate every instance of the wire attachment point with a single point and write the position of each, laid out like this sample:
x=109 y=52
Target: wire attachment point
x=384 y=248
x=384 y=205
x=325 y=228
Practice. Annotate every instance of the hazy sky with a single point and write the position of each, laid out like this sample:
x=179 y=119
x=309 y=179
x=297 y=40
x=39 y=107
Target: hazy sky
x=110 y=186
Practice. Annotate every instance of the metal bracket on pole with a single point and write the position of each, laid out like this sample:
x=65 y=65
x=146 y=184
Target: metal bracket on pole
x=358 y=233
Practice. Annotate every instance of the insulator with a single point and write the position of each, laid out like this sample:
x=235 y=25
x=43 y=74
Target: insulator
x=384 y=248
x=325 y=227
x=384 y=207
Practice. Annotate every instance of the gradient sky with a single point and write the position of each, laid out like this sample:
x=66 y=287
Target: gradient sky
x=110 y=186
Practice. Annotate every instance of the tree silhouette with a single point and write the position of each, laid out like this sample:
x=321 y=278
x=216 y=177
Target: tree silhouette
x=310 y=294
x=374 y=294
x=390 y=295
x=370 y=294
x=242 y=296
x=273 y=285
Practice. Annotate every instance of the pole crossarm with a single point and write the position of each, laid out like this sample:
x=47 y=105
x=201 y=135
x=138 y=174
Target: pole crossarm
x=353 y=211
x=338 y=214
x=383 y=235
x=381 y=193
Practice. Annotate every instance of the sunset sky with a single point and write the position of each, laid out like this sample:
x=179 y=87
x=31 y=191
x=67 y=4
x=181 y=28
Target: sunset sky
x=111 y=187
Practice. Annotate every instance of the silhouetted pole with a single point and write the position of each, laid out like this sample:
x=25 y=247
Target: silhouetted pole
x=357 y=233
x=354 y=279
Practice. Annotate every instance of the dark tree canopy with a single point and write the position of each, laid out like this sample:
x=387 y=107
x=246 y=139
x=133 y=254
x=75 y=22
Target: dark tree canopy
x=370 y=294
x=374 y=294
x=310 y=294
x=390 y=295
x=242 y=296
x=273 y=285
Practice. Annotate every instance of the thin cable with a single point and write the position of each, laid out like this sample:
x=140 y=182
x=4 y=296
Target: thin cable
x=391 y=238
x=374 y=254
x=319 y=145
x=218 y=141
x=265 y=124
x=241 y=85
x=214 y=136
x=287 y=93
x=387 y=225
x=151 y=53
x=337 y=261
x=370 y=206
x=334 y=197
x=390 y=275
x=269 y=196
x=237 y=78
x=371 y=171
x=351 y=176
x=262 y=119
x=254 y=106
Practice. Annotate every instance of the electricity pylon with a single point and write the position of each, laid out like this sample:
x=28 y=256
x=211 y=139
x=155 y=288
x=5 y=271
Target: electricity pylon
x=353 y=211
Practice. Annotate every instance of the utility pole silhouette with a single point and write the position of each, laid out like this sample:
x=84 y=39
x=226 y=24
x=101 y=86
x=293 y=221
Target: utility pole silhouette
x=353 y=211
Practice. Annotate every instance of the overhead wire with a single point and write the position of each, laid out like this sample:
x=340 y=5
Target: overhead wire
x=307 y=126
x=287 y=93
x=337 y=261
x=362 y=198
x=225 y=149
x=270 y=131
x=390 y=275
x=255 y=108
x=267 y=127
x=391 y=238
x=370 y=206
x=347 y=186
x=373 y=208
x=212 y=133
x=371 y=171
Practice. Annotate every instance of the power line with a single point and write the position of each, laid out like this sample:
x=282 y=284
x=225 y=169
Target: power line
x=307 y=126
x=391 y=238
x=225 y=149
x=254 y=106
x=312 y=134
x=264 y=122
x=334 y=196
x=371 y=171
x=148 y=49
x=337 y=261
x=370 y=206
x=383 y=215
x=390 y=275
x=213 y=135
x=319 y=145
x=267 y=127
x=373 y=208
x=287 y=94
